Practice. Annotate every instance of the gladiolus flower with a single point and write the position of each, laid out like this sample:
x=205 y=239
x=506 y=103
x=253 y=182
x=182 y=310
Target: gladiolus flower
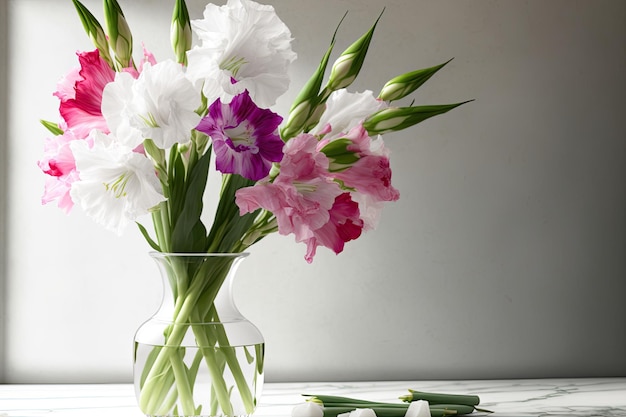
x=344 y=225
x=244 y=46
x=371 y=173
x=82 y=111
x=305 y=199
x=60 y=168
x=159 y=105
x=245 y=137
x=116 y=185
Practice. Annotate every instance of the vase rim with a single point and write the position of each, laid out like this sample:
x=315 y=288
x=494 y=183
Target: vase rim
x=156 y=254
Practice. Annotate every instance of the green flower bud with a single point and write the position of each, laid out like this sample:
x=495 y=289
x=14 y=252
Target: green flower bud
x=399 y=118
x=94 y=31
x=315 y=115
x=348 y=65
x=403 y=85
x=308 y=99
x=339 y=156
x=297 y=118
x=180 y=31
x=120 y=37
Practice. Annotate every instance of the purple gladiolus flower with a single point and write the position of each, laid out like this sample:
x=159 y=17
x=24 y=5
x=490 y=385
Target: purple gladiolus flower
x=245 y=137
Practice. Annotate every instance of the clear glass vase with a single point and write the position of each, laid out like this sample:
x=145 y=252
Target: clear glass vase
x=198 y=356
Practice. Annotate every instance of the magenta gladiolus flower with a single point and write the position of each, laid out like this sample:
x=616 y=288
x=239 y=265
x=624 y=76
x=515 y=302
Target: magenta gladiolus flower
x=245 y=137
x=82 y=112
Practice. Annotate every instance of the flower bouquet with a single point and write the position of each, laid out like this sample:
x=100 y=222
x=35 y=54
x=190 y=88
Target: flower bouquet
x=138 y=137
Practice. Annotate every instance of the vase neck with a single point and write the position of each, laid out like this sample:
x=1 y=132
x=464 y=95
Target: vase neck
x=200 y=283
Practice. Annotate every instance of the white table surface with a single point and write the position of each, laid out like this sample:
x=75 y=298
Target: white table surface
x=604 y=397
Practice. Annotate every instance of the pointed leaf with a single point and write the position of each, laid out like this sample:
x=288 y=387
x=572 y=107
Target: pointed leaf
x=52 y=127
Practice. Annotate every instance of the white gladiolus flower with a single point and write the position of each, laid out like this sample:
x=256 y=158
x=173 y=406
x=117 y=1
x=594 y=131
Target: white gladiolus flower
x=159 y=105
x=116 y=184
x=345 y=110
x=244 y=46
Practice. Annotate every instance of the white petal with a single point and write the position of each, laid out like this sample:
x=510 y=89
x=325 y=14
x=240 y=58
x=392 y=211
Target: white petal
x=159 y=105
x=307 y=409
x=246 y=41
x=418 y=409
x=345 y=110
x=116 y=185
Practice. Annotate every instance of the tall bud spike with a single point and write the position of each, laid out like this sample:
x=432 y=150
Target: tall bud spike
x=403 y=85
x=399 y=118
x=94 y=31
x=347 y=66
x=180 y=31
x=120 y=37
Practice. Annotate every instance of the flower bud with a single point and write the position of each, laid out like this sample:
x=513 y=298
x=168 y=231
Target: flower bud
x=180 y=31
x=347 y=66
x=94 y=31
x=297 y=118
x=120 y=37
x=338 y=154
x=399 y=118
x=403 y=85
x=307 y=101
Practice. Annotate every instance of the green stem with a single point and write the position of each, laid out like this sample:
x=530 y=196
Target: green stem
x=235 y=368
x=195 y=298
x=217 y=377
x=183 y=387
x=174 y=338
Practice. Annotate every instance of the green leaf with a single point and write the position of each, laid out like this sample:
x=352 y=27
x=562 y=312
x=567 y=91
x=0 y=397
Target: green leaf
x=146 y=235
x=228 y=226
x=189 y=234
x=52 y=127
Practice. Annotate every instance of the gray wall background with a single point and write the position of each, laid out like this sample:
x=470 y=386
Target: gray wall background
x=504 y=258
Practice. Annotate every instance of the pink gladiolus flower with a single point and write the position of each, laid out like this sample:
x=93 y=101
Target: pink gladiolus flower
x=371 y=173
x=344 y=225
x=148 y=58
x=65 y=86
x=82 y=112
x=305 y=199
x=245 y=137
x=60 y=168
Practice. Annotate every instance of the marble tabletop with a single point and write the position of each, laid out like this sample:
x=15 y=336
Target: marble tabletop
x=604 y=397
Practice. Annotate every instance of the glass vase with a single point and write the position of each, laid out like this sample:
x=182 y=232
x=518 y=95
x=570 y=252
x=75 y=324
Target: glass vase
x=198 y=356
